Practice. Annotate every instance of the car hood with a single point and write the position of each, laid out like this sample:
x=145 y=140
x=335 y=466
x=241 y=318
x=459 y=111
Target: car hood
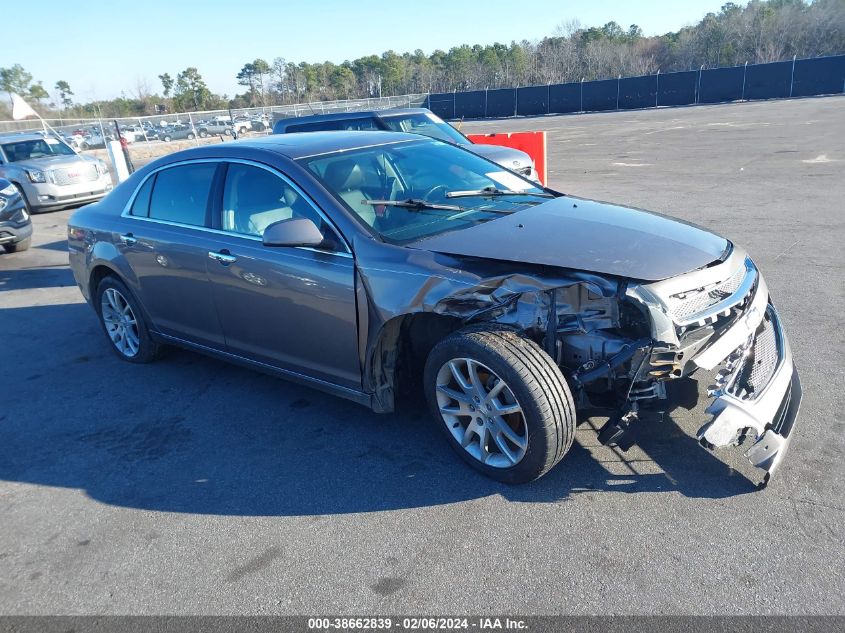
x=587 y=235
x=51 y=162
x=504 y=156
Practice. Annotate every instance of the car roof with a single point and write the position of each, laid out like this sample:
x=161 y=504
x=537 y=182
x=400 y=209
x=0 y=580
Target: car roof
x=343 y=116
x=301 y=144
x=21 y=136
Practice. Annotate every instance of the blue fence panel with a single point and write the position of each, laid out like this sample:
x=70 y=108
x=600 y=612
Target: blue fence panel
x=501 y=102
x=532 y=100
x=820 y=76
x=768 y=81
x=470 y=105
x=721 y=84
x=565 y=98
x=637 y=92
x=675 y=89
x=442 y=104
x=600 y=95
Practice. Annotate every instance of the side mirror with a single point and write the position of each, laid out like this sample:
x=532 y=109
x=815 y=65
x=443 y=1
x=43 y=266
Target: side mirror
x=293 y=232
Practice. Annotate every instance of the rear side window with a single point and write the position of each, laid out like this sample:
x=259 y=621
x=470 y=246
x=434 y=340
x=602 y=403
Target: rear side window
x=141 y=205
x=181 y=193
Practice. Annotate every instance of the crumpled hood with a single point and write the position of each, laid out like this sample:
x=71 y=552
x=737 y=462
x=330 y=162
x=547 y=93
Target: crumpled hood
x=504 y=156
x=587 y=235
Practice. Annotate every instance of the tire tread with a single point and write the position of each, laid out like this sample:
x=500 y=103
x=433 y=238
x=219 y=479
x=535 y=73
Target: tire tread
x=538 y=373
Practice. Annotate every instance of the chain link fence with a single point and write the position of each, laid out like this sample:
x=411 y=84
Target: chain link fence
x=88 y=133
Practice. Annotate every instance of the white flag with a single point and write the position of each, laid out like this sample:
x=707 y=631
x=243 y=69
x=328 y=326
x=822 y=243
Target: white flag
x=21 y=109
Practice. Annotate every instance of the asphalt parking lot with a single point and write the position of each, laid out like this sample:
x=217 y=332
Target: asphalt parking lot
x=191 y=486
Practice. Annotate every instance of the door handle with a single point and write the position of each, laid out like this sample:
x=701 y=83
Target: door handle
x=224 y=257
x=128 y=239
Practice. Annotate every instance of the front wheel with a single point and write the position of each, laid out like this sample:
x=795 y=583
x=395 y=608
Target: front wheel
x=123 y=322
x=502 y=403
x=25 y=200
x=17 y=247
x=203 y=133
x=191 y=136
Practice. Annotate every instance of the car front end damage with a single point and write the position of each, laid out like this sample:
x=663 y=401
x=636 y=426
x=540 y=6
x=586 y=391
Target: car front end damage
x=627 y=349
x=721 y=317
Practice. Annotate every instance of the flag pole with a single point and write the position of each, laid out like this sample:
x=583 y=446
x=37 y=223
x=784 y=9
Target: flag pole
x=21 y=110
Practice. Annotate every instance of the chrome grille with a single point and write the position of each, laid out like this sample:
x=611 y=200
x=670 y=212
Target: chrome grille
x=695 y=301
x=78 y=173
x=761 y=364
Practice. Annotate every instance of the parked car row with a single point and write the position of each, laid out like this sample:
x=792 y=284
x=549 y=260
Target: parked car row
x=227 y=126
x=91 y=136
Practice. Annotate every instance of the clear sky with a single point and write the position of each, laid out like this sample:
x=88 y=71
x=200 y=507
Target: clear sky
x=102 y=49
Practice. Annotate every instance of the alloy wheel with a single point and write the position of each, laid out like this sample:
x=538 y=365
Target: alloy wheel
x=481 y=412
x=121 y=324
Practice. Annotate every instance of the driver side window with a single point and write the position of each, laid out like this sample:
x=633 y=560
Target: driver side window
x=254 y=198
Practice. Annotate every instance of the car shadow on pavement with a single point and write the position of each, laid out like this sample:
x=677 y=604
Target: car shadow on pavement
x=192 y=434
x=58 y=245
x=58 y=276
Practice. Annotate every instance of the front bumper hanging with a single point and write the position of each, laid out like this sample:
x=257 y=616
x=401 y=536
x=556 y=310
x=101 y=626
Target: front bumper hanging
x=757 y=392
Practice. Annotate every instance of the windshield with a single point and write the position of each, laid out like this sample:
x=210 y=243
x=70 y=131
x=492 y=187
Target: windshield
x=37 y=148
x=427 y=125
x=415 y=175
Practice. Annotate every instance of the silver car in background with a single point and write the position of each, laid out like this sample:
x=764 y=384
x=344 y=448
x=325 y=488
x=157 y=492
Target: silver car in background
x=49 y=174
x=365 y=263
x=413 y=121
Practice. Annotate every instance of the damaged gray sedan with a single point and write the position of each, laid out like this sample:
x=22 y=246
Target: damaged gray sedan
x=366 y=263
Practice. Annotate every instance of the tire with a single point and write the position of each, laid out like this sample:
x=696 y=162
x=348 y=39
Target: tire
x=26 y=204
x=190 y=136
x=146 y=350
x=544 y=425
x=242 y=130
x=203 y=133
x=17 y=247
x=83 y=146
x=166 y=138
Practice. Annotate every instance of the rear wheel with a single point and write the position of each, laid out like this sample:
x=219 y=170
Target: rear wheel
x=191 y=136
x=166 y=138
x=123 y=322
x=502 y=403
x=203 y=133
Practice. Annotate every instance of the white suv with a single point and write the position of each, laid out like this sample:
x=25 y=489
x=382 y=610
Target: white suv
x=49 y=174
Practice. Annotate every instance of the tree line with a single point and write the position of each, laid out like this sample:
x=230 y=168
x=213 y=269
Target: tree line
x=758 y=32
